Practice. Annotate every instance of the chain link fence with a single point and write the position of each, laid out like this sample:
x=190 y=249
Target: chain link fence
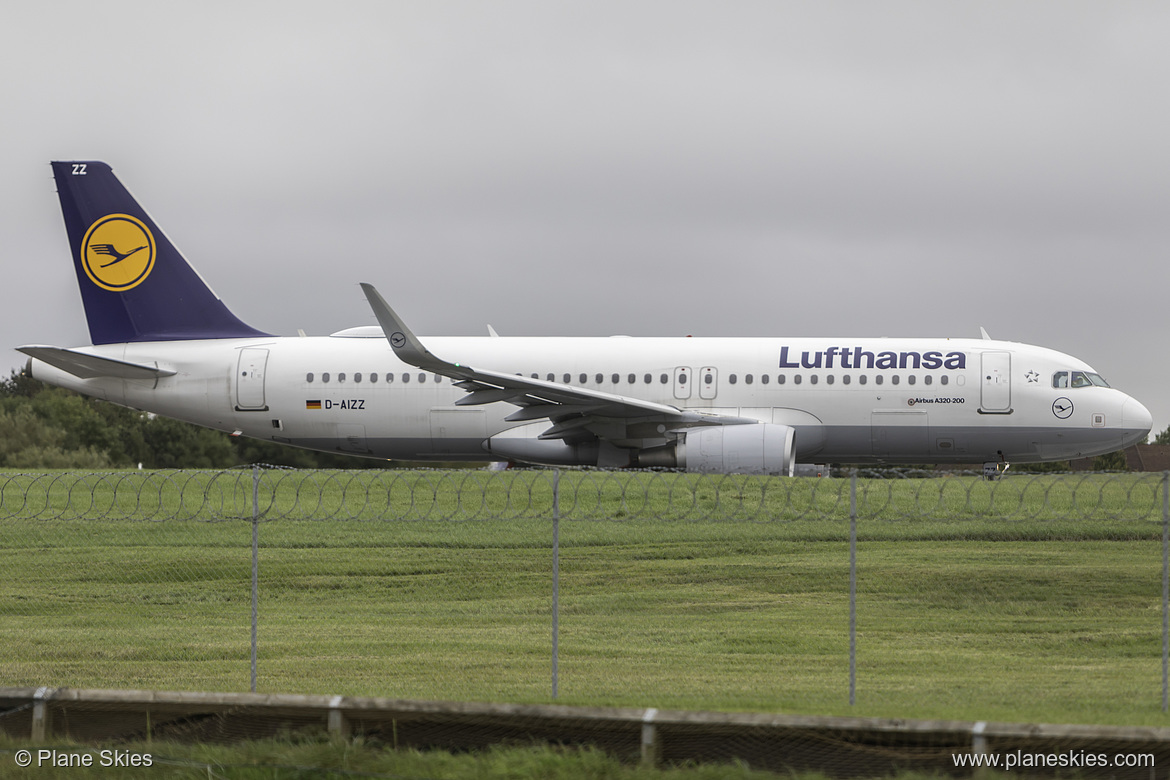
x=1031 y=597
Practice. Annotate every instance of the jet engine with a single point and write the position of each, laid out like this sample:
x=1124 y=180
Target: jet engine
x=759 y=448
x=524 y=444
x=763 y=448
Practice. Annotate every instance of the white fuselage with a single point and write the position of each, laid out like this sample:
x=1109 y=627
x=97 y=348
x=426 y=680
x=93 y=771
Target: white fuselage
x=848 y=400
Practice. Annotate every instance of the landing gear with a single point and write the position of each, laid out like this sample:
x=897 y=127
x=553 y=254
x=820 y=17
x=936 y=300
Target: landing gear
x=994 y=469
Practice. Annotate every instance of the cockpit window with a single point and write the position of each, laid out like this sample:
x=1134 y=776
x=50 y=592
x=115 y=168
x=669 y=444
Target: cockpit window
x=1084 y=379
x=1060 y=379
x=1087 y=379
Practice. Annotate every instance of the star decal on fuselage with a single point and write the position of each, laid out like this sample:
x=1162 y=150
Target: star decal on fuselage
x=1032 y=376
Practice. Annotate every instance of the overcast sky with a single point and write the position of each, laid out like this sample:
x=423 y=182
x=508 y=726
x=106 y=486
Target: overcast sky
x=648 y=168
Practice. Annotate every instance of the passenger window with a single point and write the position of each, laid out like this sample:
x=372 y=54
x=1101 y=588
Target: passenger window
x=877 y=380
x=861 y=380
x=422 y=378
x=405 y=378
x=844 y=379
x=309 y=377
x=942 y=380
x=325 y=377
x=614 y=379
x=911 y=379
x=731 y=378
x=682 y=379
x=829 y=379
x=647 y=378
x=583 y=379
x=632 y=378
x=708 y=379
x=568 y=378
x=357 y=377
x=1060 y=379
x=373 y=378
x=341 y=377
x=599 y=378
x=663 y=379
x=765 y=378
x=813 y=379
x=748 y=379
x=780 y=379
x=927 y=379
x=389 y=379
x=895 y=379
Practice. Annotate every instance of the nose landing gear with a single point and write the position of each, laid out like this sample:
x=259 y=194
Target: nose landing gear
x=994 y=469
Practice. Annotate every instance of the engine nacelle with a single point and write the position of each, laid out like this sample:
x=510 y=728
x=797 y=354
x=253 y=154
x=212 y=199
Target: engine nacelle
x=738 y=449
x=524 y=444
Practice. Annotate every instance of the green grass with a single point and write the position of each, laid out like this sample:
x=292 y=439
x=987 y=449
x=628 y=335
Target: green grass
x=961 y=614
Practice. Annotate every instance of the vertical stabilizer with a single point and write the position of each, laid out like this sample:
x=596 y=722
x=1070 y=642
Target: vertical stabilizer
x=135 y=284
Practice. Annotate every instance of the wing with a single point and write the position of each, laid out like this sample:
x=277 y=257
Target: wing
x=575 y=413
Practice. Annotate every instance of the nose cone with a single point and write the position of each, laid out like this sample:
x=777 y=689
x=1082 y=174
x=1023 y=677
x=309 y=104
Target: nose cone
x=1137 y=419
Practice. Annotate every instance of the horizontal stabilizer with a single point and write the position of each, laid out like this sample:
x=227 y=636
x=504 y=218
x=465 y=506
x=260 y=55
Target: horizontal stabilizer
x=88 y=366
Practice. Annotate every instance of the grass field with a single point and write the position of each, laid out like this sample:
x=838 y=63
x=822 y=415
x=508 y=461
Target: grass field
x=964 y=611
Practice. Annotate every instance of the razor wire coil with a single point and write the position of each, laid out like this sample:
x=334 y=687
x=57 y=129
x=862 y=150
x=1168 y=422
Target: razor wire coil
x=467 y=494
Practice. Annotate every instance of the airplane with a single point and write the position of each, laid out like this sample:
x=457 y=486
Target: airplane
x=164 y=342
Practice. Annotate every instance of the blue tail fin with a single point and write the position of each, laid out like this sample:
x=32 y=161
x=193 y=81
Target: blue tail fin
x=135 y=285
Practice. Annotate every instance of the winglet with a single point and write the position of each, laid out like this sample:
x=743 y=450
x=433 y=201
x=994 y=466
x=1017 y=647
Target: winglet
x=405 y=344
x=983 y=333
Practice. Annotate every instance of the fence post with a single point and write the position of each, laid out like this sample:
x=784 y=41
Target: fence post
x=853 y=589
x=1165 y=590
x=556 y=566
x=255 y=562
x=337 y=724
x=41 y=715
x=650 y=747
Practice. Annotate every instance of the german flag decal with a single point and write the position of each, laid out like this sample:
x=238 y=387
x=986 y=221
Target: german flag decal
x=312 y=404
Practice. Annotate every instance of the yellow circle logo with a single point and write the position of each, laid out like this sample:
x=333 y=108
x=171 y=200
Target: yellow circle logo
x=118 y=252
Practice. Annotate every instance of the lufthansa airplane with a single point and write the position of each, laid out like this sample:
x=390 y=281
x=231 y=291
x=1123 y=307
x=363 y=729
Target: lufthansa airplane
x=163 y=342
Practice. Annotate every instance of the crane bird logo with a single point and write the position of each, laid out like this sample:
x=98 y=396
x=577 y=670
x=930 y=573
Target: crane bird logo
x=118 y=252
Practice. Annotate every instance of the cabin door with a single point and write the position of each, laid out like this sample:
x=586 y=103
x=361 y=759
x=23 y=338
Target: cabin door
x=250 y=380
x=996 y=395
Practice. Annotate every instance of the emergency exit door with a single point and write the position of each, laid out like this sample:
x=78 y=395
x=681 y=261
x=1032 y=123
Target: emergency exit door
x=682 y=382
x=708 y=382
